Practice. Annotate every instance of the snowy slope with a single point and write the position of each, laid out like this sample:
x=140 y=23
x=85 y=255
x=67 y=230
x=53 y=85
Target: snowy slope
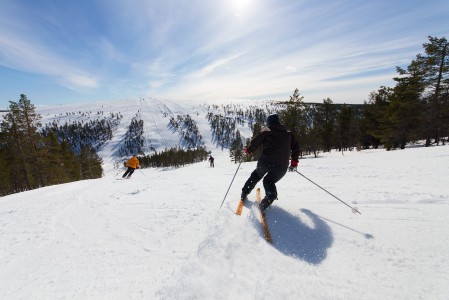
x=155 y=114
x=162 y=235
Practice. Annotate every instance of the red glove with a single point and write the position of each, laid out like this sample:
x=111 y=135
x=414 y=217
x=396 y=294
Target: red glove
x=294 y=163
x=246 y=151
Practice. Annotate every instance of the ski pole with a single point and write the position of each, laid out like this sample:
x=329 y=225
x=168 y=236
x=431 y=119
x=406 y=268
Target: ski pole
x=354 y=209
x=118 y=173
x=230 y=184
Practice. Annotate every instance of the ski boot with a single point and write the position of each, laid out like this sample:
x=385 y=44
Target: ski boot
x=265 y=204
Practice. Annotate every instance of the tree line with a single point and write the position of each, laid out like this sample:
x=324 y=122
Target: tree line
x=173 y=157
x=30 y=159
x=415 y=109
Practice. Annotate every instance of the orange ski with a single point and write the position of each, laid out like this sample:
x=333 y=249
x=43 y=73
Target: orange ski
x=239 y=209
x=266 y=232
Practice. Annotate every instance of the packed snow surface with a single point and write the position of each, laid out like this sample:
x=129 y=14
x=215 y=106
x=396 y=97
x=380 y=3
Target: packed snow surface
x=162 y=233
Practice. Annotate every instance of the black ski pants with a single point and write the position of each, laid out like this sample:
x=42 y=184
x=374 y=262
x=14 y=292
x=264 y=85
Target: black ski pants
x=128 y=172
x=272 y=172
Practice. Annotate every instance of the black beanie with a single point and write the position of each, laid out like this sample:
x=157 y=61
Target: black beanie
x=273 y=119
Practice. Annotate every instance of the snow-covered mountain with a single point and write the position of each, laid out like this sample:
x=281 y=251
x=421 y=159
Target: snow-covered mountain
x=156 y=114
x=163 y=235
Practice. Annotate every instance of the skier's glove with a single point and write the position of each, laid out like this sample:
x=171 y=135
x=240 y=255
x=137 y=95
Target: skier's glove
x=293 y=165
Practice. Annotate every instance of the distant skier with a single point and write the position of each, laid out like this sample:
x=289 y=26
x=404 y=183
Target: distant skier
x=132 y=164
x=211 y=161
x=278 y=145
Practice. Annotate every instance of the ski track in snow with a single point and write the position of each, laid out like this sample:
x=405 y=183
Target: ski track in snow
x=161 y=234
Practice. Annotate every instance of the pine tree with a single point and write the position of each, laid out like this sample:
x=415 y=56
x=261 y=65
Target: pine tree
x=325 y=120
x=312 y=142
x=236 y=149
x=347 y=130
x=20 y=126
x=5 y=166
x=89 y=163
x=59 y=161
x=405 y=110
x=294 y=119
x=374 y=122
x=435 y=69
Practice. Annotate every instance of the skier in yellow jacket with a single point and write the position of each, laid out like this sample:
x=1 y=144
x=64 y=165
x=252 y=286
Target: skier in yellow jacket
x=132 y=164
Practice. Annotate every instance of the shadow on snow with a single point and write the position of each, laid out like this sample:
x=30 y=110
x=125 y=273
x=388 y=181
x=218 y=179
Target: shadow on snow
x=308 y=241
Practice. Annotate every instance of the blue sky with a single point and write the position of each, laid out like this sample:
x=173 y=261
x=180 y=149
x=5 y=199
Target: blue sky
x=90 y=50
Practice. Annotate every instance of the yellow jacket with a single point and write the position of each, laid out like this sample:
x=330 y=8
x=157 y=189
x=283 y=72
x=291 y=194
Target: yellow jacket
x=133 y=162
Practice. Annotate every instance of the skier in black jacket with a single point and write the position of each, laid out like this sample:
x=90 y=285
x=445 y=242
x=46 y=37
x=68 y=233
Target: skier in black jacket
x=278 y=146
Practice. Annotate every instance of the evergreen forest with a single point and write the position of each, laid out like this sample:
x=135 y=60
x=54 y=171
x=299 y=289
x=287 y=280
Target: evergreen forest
x=31 y=157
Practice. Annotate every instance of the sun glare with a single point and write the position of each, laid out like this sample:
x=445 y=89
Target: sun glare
x=240 y=6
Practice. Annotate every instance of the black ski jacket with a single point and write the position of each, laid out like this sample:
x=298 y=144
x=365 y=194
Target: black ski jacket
x=279 y=145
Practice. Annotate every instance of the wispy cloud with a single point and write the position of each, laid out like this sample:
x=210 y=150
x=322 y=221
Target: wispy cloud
x=30 y=57
x=217 y=49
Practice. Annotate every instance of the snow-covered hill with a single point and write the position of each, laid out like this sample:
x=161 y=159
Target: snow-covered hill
x=156 y=115
x=162 y=234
